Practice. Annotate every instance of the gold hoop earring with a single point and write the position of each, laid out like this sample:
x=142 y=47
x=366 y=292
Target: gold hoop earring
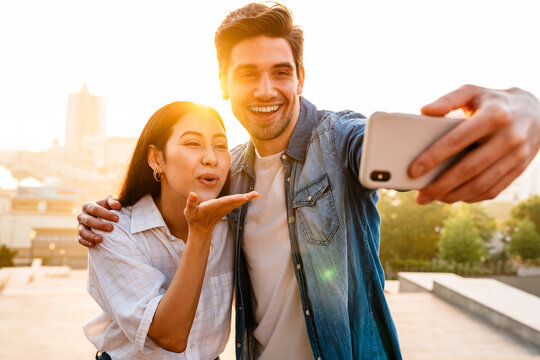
x=157 y=176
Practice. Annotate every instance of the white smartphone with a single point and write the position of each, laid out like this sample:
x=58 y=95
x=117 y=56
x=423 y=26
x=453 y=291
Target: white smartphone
x=392 y=141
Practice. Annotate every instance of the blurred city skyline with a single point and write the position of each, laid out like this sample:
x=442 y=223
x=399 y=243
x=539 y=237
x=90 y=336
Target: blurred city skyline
x=390 y=56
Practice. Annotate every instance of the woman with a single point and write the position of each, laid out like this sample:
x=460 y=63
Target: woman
x=164 y=276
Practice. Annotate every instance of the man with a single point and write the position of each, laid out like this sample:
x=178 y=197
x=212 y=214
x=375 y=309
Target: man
x=309 y=281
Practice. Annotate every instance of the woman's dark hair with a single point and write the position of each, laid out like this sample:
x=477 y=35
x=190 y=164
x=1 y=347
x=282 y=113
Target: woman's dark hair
x=254 y=19
x=139 y=180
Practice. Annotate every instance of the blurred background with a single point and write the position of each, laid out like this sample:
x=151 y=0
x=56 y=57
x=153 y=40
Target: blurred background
x=78 y=81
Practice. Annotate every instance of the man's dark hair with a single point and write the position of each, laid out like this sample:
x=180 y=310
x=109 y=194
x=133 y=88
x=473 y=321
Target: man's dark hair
x=255 y=19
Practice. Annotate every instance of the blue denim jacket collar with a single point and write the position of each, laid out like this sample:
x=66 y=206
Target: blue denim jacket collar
x=302 y=131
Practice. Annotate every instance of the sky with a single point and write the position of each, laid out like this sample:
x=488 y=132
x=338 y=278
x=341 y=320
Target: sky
x=365 y=56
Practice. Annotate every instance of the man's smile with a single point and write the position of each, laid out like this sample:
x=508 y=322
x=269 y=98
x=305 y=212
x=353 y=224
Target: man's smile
x=263 y=109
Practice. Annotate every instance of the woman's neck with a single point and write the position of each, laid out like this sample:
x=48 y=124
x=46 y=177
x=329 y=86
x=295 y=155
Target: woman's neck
x=171 y=207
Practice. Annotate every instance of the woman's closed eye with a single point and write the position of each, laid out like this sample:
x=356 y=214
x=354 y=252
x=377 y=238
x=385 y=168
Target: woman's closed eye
x=192 y=144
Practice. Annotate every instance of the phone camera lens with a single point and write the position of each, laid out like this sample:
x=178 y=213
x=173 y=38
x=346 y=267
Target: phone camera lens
x=379 y=175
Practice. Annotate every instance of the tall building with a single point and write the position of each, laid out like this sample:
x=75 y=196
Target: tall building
x=85 y=121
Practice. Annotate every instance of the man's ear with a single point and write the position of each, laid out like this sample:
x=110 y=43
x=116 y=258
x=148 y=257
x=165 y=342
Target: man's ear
x=300 y=85
x=155 y=158
x=223 y=83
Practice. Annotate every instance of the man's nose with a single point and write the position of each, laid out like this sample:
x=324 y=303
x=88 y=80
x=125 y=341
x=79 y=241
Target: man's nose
x=265 y=88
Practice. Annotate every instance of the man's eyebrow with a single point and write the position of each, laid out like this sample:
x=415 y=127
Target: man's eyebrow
x=283 y=65
x=253 y=66
x=245 y=66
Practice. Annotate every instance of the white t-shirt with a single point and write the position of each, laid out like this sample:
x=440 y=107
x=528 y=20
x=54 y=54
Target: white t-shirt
x=280 y=331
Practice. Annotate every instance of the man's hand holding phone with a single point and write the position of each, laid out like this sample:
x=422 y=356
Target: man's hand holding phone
x=392 y=141
x=505 y=125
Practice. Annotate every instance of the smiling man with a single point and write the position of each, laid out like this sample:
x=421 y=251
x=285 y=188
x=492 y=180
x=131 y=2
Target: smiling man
x=309 y=283
x=309 y=280
x=264 y=87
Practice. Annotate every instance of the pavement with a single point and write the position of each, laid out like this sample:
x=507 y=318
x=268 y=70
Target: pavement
x=42 y=320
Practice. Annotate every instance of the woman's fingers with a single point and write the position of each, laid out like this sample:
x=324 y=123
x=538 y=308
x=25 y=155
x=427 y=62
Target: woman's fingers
x=211 y=211
x=224 y=205
x=192 y=205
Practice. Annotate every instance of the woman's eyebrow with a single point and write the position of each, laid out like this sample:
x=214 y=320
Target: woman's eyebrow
x=191 y=132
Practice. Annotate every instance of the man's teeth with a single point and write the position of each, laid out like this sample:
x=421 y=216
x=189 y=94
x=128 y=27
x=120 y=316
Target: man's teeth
x=264 y=109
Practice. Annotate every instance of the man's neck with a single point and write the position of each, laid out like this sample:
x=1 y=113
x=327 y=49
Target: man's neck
x=271 y=147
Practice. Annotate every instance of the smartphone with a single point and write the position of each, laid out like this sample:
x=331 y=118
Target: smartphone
x=392 y=141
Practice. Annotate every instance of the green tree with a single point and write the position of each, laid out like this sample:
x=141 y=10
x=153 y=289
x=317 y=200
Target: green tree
x=530 y=209
x=6 y=256
x=408 y=230
x=484 y=223
x=460 y=240
x=525 y=240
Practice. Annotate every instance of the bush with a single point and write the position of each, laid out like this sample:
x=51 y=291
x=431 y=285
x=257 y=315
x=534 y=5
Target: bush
x=398 y=265
x=525 y=241
x=6 y=256
x=460 y=241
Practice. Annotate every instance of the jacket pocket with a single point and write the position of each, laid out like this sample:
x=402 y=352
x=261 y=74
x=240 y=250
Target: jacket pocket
x=316 y=212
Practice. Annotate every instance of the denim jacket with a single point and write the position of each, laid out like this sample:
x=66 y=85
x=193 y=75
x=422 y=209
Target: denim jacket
x=334 y=233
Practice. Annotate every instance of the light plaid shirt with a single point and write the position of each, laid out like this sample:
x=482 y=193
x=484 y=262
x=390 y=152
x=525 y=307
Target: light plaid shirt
x=129 y=272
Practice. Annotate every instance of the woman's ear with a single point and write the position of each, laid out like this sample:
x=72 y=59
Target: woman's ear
x=155 y=158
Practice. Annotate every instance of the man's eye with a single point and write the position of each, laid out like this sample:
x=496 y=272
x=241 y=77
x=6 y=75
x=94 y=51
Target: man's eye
x=191 y=143
x=246 y=75
x=222 y=146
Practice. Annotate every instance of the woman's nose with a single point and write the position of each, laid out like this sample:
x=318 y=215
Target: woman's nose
x=209 y=157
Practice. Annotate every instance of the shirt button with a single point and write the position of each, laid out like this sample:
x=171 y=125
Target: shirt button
x=307 y=312
x=309 y=198
x=239 y=308
x=238 y=345
x=240 y=227
x=251 y=188
x=284 y=156
x=319 y=358
x=291 y=219
x=298 y=267
x=288 y=179
x=192 y=346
